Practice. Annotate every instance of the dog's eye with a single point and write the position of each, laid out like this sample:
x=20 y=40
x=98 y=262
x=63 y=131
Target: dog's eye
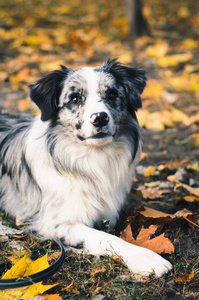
x=76 y=99
x=111 y=94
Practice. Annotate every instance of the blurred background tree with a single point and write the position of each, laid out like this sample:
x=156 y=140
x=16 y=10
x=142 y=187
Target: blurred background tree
x=138 y=25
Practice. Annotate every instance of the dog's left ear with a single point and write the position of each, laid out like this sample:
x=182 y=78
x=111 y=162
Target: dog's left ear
x=133 y=81
x=46 y=92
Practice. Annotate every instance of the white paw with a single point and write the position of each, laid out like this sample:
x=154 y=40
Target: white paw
x=145 y=262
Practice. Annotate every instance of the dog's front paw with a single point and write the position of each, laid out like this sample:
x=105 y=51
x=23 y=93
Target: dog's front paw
x=145 y=262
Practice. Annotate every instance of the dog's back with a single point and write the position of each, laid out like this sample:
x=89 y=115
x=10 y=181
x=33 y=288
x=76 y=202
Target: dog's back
x=15 y=175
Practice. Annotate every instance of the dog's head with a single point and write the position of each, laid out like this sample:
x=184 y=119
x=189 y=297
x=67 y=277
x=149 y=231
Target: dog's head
x=92 y=102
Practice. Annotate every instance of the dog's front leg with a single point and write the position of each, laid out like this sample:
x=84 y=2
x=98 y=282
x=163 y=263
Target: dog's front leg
x=137 y=259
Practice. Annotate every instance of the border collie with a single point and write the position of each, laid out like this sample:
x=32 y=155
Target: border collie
x=71 y=168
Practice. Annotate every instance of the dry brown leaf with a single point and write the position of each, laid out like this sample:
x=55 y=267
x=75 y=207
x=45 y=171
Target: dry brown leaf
x=152 y=184
x=186 y=214
x=71 y=288
x=191 y=190
x=191 y=198
x=153 y=192
x=98 y=270
x=150 y=213
x=54 y=255
x=118 y=259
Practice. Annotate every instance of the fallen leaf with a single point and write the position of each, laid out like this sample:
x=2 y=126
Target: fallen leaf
x=150 y=213
x=183 y=12
x=196 y=137
x=191 y=198
x=143 y=155
x=175 y=59
x=52 y=297
x=98 y=270
x=18 y=270
x=194 y=191
x=153 y=192
x=37 y=266
x=152 y=184
x=118 y=259
x=149 y=171
x=36 y=289
x=25 y=267
x=178 y=116
x=54 y=255
x=185 y=213
x=186 y=82
x=194 y=166
x=26 y=104
x=5 y=296
x=158 y=244
x=185 y=278
x=154 y=89
x=71 y=288
x=157 y=50
x=160 y=119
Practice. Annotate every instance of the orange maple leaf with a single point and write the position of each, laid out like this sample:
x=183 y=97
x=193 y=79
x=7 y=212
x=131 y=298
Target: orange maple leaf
x=159 y=244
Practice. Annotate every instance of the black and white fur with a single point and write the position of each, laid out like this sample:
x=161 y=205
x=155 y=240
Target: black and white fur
x=71 y=168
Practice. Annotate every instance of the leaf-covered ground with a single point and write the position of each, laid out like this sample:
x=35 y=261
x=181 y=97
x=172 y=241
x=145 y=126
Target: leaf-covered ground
x=35 y=38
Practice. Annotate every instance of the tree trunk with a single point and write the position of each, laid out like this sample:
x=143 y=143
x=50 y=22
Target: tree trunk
x=137 y=23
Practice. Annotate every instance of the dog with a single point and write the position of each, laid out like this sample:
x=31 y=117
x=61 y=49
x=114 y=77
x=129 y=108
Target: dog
x=69 y=169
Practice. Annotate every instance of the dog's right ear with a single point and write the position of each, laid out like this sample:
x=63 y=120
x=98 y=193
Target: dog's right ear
x=46 y=92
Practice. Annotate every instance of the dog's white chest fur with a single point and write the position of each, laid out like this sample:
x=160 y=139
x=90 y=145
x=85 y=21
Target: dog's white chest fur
x=90 y=186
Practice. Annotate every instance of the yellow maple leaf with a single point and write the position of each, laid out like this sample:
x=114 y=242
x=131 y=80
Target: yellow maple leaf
x=25 y=267
x=37 y=266
x=36 y=289
x=18 y=270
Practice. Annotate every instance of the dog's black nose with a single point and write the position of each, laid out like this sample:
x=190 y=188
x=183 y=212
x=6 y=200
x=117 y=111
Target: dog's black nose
x=99 y=119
